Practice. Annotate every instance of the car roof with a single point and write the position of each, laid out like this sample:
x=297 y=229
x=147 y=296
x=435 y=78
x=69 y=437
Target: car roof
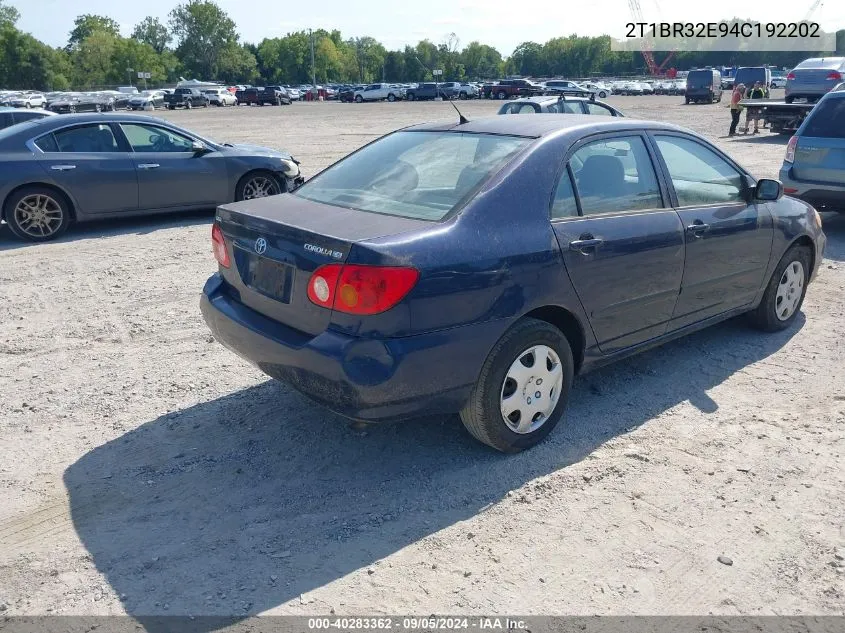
x=10 y=109
x=546 y=125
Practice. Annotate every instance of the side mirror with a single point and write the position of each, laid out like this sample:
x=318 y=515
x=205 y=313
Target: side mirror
x=198 y=147
x=768 y=189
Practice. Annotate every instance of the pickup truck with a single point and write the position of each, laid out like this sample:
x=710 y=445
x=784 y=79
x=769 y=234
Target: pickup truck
x=274 y=95
x=186 y=98
x=782 y=117
x=378 y=92
x=508 y=88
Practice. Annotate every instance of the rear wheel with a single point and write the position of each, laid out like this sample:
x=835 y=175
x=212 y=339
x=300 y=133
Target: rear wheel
x=687 y=100
x=359 y=99
x=37 y=213
x=522 y=389
x=785 y=291
x=257 y=184
x=188 y=105
x=391 y=97
x=411 y=96
x=602 y=95
x=502 y=95
x=789 y=99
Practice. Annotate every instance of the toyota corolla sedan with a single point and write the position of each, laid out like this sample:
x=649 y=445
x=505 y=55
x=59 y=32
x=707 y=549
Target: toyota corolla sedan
x=477 y=267
x=81 y=167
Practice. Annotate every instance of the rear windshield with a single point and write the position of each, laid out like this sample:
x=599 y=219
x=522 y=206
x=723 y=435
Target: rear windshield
x=421 y=175
x=700 y=79
x=748 y=76
x=827 y=120
x=831 y=63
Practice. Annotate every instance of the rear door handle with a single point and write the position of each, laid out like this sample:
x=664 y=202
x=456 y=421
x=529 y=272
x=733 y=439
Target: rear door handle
x=586 y=244
x=62 y=167
x=697 y=228
x=149 y=166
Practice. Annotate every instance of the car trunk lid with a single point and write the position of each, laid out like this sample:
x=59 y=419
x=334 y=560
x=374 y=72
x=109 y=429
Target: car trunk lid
x=276 y=243
x=820 y=160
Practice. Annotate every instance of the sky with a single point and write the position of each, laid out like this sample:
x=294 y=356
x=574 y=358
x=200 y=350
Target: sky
x=501 y=23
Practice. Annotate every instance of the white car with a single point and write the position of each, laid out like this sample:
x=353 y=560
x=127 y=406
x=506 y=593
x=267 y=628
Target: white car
x=295 y=94
x=220 y=97
x=378 y=92
x=601 y=90
x=647 y=88
x=632 y=88
x=28 y=100
x=778 y=82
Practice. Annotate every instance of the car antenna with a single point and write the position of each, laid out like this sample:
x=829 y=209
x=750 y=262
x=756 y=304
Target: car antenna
x=462 y=119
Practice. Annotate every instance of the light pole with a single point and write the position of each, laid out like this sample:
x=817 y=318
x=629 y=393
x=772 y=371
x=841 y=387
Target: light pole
x=313 y=71
x=129 y=72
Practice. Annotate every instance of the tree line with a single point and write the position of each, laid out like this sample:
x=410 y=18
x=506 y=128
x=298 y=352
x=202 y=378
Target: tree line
x=200 y=40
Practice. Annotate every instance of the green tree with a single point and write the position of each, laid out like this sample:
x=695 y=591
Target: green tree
x=151 y=31
x=27 y=63
x=481 y=61
x=140 y=57
x=92 y=61
x=8 y=14
x=327 y=60
x=86 y=25
x=204 y=32
x=236 y=64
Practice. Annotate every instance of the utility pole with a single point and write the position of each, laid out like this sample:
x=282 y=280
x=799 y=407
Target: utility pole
x=313 y=71
x=129 y=72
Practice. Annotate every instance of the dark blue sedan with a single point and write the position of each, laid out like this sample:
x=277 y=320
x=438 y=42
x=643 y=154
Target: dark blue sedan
x=476 y=268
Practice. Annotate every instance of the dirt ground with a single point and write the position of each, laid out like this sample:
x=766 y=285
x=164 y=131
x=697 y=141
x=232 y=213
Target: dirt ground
x=146 y=470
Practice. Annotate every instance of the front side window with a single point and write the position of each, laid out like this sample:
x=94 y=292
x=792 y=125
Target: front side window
x=151 y=138
x=85 y=139
x=516 y=107
x=413 y=174
x=597 y=108
x=699 y=175
x=614 y=175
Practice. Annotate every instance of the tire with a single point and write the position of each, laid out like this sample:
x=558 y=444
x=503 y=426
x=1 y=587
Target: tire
x=391 y=97
x=188 y=105
x=501 y=95
x=482 y=416
x=205 y=104
x=790 y=277
x=462 y=96
x=56 y=206
x=602 y=95
x=28 y=105
x=789 y=99
x=687 y=100
x=242 y=191
x=411 y=96
x=359 y=99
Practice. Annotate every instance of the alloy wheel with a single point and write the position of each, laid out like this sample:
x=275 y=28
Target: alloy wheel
x=790 y=290
x=38 y=215
x=260 y=187
x=531 y=389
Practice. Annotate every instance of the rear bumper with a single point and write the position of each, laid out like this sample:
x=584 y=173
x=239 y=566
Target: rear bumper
x=365 y=379
x=823 y=196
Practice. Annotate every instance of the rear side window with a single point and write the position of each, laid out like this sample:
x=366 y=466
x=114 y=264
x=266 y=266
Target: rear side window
x=564 y=206
x=47 y=143
x=86 y=138
x=614 y=175
x=827 y=120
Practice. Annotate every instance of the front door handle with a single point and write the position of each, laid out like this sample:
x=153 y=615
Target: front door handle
x=586 y=244
x=62 y=167
x=697 y=228
x=149 y=166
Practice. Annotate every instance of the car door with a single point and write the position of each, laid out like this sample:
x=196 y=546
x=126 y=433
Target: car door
x=170 y=173
x=622 y=247
x=90 y=164
x=728 y=239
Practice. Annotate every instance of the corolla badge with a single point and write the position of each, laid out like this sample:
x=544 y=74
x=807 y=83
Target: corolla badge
x=320 y=250
x=260 y=245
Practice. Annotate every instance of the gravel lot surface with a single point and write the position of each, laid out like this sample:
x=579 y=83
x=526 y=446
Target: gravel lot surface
x=146 y=470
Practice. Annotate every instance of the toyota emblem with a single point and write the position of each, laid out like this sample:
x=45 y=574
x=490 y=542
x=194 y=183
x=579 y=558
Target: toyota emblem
x=260 y=245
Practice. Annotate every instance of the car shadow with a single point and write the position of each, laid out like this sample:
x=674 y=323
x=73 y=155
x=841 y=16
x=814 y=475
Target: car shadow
x=765 y=137
x=833 y=225
x=247 y=502
x=140 y=225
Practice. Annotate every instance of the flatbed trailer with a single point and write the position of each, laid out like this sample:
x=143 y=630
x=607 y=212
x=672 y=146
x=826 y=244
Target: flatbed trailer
x=782 y=117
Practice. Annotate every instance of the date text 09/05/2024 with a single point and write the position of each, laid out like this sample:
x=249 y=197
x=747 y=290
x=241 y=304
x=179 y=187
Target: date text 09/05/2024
x=416 y=624
x=723 y=29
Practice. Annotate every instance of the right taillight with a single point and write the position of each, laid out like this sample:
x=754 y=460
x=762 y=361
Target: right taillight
x=791 y=76
x=360 y=289
x=790 y=150
x=218 y=245
x=835 y=76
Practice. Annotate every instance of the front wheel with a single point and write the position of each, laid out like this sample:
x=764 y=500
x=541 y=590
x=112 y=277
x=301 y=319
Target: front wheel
x=785 y=292
x=258 y=184
x=502 y=96
x=391 y=97
x=37 y=214
x=522 y=389
x=359 y=99
x=188 y=105
x=602 y=95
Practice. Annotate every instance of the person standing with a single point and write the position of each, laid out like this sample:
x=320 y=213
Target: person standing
x=753 y=114
x=736 y=109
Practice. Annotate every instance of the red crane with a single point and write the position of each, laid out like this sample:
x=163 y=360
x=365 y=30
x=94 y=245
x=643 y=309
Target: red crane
x=648 y=55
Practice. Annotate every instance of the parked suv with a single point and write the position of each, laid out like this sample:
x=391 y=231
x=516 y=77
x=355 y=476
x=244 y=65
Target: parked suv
x=814 y=166
x=378 y=92
x=187 y=98
x=507 y=88
x=28 y=100
x=221 y=97
x=427 y=90
x=813 y=78
x=704 y=85
x=274 y=95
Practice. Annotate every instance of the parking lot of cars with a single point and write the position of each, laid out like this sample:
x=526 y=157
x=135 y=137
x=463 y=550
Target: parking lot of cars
x=157 y=473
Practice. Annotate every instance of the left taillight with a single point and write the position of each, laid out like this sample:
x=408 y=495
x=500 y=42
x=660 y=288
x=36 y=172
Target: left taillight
x=218 y=245
x=790 y=150
x=360 y=289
